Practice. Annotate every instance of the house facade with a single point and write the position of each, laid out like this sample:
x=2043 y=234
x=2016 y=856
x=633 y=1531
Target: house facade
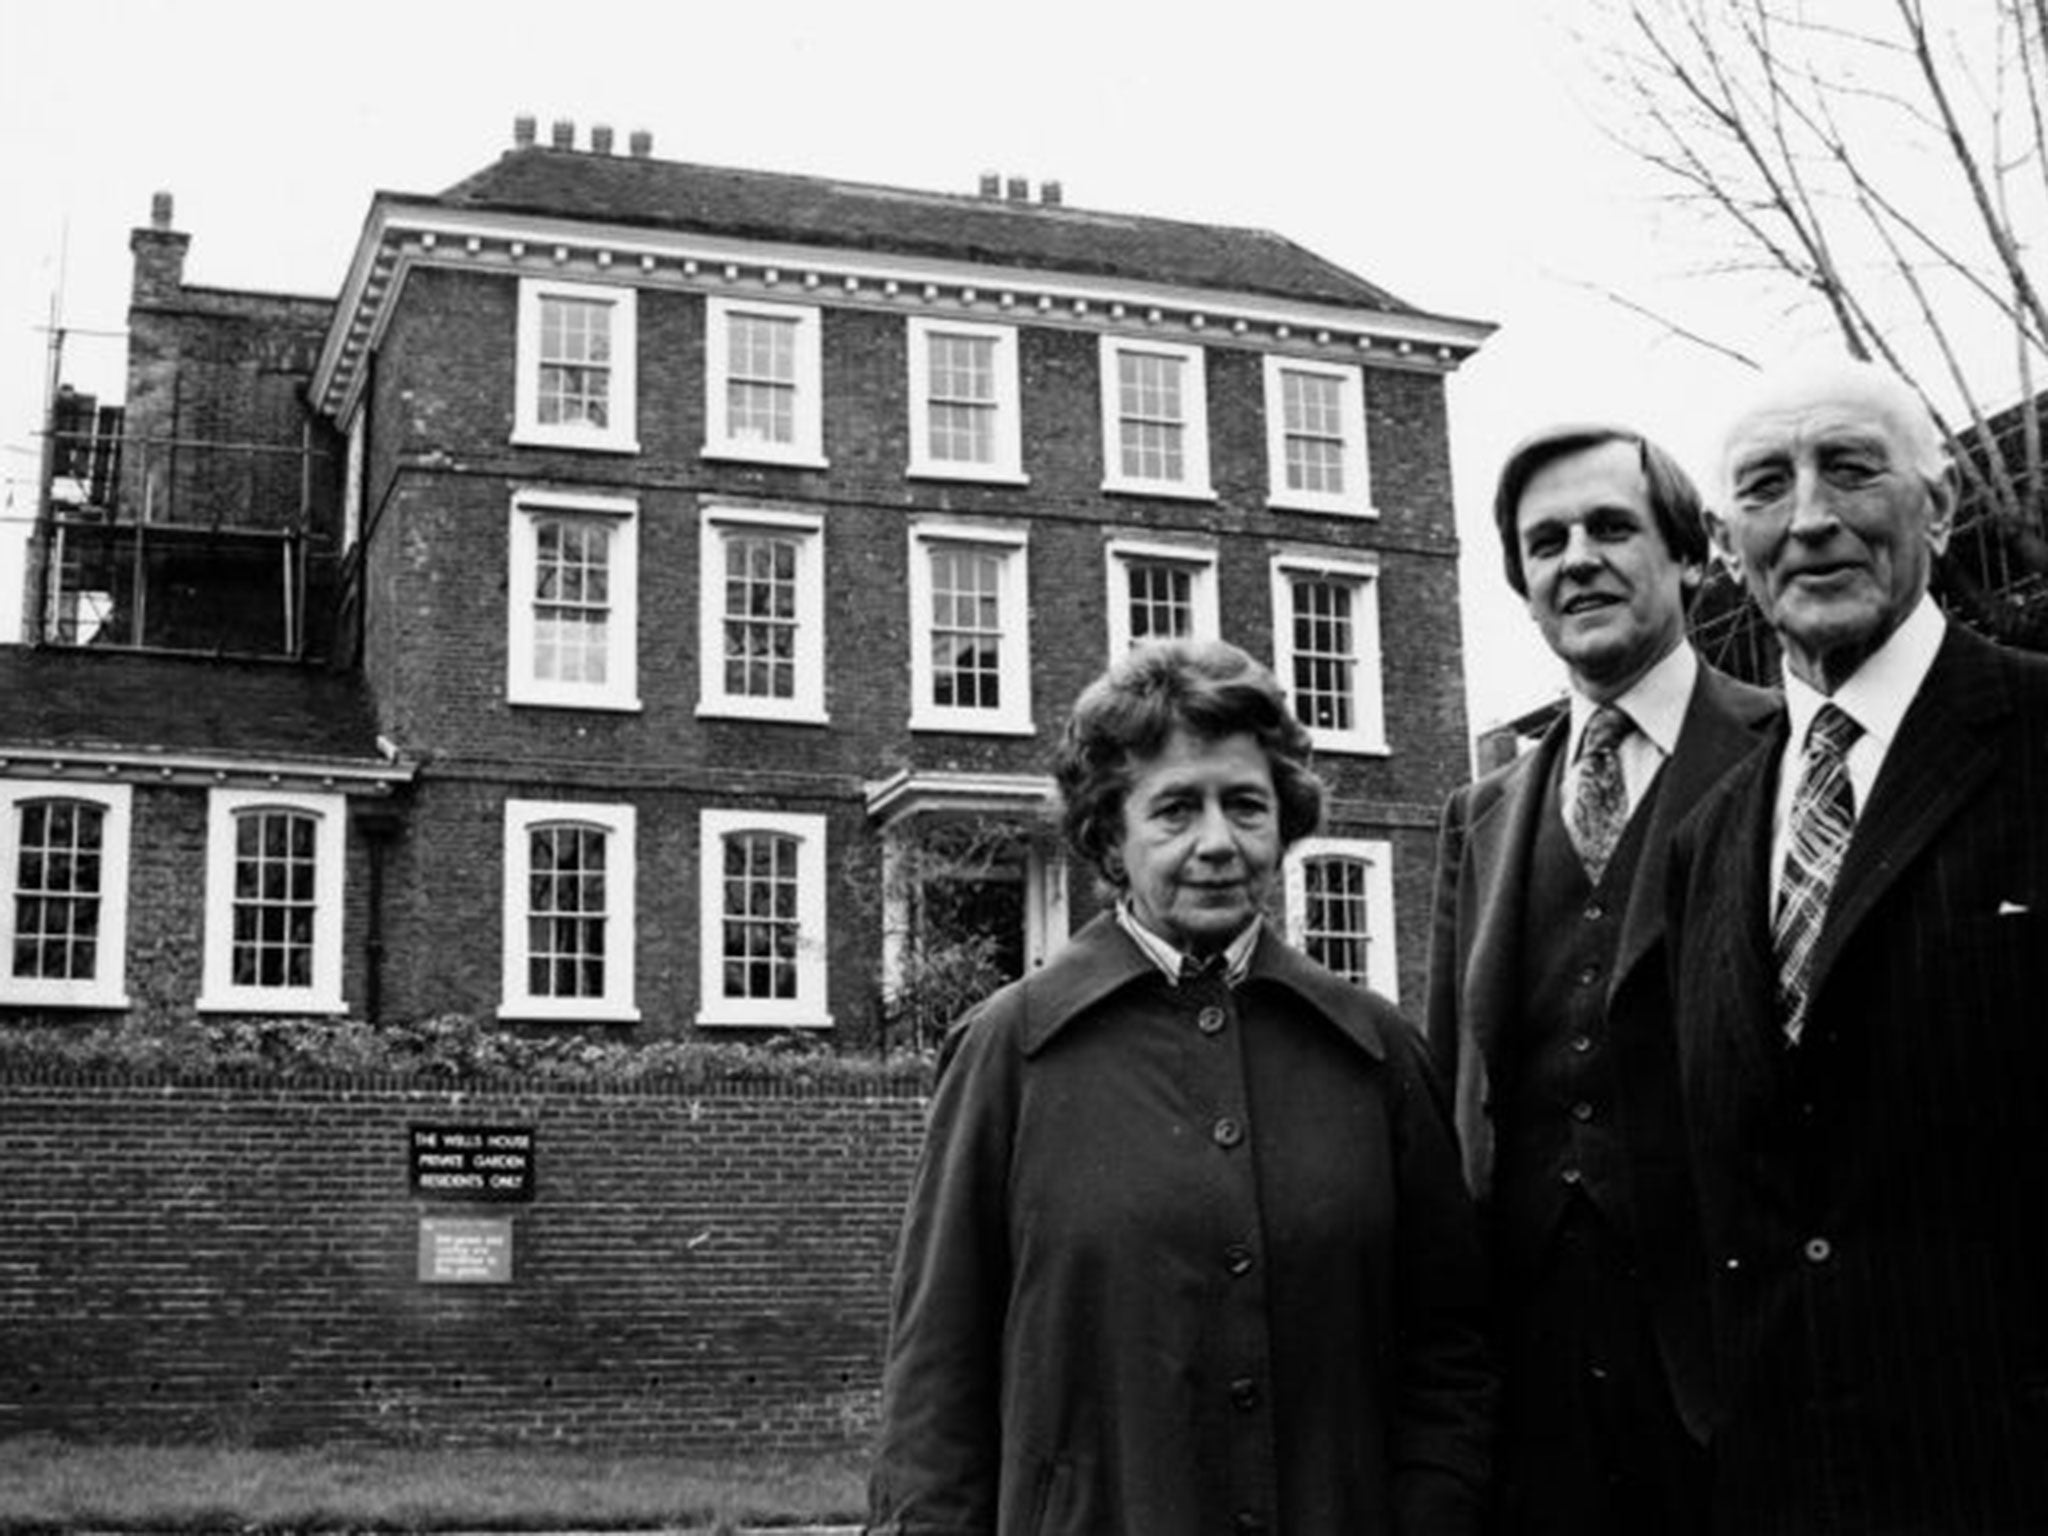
x=666 y=583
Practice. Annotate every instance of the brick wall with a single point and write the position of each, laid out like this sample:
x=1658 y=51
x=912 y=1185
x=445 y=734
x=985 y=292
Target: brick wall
x=698 y=1268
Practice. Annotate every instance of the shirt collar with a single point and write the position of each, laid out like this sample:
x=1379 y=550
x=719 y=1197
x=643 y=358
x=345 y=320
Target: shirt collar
x=1656 y=702
x=1877 y=694
x=1237 y=955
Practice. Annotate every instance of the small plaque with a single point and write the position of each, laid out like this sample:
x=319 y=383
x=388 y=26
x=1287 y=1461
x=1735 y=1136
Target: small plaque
x=487 y=1163
x=465 y=1250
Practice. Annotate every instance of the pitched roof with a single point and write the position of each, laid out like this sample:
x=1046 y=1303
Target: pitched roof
x=668 y=194
x=65 y=700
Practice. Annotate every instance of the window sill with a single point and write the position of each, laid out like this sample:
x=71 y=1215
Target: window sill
x=1348 y=746
x=733 y=453
x=759 y=714
x=1285 y=502
x=541 y=437
x=270 y=1003
x=713 y=1020
x=17 y=995
x=960 y=726
x=618 y=706
x=579 y=1011
x=1170 y=490
x=968 y=473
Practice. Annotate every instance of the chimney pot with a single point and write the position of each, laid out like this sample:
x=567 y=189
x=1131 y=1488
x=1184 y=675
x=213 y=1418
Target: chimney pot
x=1051 y=193
x=160 y=210
x=991 y=184
x=565 y=133
x=1020 y=189
x=522 y=131
x=600 y=139
x=641 y=142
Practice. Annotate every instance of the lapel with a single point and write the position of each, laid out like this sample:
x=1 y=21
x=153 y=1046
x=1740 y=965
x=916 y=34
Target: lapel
x=1946 y=749
x=1724 y=722
x=1741 y=967
x=1499 y=846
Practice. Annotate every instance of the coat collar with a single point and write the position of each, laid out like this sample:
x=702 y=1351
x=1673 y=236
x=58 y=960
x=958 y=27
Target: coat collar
x=1101 y=960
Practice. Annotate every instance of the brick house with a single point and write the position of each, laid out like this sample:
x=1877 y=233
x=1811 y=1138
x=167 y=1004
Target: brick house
x=638 y=565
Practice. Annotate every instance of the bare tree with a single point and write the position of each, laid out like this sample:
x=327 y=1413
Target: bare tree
x=1881 y=165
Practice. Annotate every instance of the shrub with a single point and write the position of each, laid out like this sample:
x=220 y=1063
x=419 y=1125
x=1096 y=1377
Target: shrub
x=447 y=1048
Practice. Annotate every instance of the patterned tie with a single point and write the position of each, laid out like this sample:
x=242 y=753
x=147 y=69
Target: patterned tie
x=1598 y=808
x=1822 y=817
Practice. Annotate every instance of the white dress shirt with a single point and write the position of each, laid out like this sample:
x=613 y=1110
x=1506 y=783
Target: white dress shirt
x=1876 y=697
x=1657 y=703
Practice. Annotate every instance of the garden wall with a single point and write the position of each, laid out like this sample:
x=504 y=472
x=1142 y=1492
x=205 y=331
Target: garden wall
x=695 y=1267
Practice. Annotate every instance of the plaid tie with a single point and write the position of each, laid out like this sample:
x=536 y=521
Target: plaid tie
x=1598 y=808
x=1822 y=817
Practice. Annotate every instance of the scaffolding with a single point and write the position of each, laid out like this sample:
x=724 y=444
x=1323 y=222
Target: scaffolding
x=186 y=544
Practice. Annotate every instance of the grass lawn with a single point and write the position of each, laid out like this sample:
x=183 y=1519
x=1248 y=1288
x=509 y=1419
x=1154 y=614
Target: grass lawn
x=47 y=1484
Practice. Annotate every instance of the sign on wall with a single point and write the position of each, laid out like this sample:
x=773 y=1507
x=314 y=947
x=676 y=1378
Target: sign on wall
x=488 y=1163
x=465 y=1250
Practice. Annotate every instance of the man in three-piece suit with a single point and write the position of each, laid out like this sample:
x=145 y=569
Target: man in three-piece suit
x=1860 y=920
x=1547 y=1005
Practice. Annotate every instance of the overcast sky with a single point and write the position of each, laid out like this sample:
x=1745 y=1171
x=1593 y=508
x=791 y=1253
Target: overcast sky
x=1440 y=148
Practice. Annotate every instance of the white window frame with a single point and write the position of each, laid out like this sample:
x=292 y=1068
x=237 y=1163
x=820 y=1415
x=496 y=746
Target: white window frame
x=618 y=823
x=107 y=986
x=807 y=447
x=218 y=991
x=620 y=689
x=1194 y=482
x=1123 y=555
x=1368 y=732
x=807 y=705
x=808 y=1009
x=1007 y=465
x=1383 y=961
x=619 y=435
x=1013 y=716
x=1355 y=500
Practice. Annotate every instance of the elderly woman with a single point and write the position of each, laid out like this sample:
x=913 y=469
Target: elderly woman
x=1188 y=1249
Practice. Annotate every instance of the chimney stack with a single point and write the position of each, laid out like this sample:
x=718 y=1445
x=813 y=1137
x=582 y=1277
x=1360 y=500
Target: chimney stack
x=600 y=139
x=1020 y=189
x=1051 y=194
x=641 y=143
x=522 y=131
x=991 y=184
x=159 y=256
x=565 y=133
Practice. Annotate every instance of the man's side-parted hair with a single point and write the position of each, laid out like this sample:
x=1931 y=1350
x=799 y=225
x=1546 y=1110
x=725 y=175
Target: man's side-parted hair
x=1211 y=689
x=1674 y=499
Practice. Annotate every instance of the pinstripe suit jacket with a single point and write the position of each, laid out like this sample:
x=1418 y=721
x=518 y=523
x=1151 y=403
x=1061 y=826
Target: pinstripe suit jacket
x=1476 y=982
x=1875 y=1201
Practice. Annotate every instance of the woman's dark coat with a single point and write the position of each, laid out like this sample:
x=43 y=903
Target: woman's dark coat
x=1185 y=1260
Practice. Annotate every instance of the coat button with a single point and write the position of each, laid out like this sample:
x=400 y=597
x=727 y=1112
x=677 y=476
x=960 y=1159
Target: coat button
x=1244 y=1394
x=1594 y=911
x=1572 y=1175
x=1582 y=1111
x=1581 y=1044
x=1237 y=1258
x=1210 y=1020
x=1248 y=1522
x=1227 y=1132
x=1588 y=974
x=1818 y=1250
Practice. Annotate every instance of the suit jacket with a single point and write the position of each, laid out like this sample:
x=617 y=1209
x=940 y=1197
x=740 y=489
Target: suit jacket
x=1476 y=990
x=1876 y=1199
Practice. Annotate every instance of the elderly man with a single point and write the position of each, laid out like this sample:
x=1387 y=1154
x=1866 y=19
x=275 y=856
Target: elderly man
x=1860 y=915
x=1547 y=1002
